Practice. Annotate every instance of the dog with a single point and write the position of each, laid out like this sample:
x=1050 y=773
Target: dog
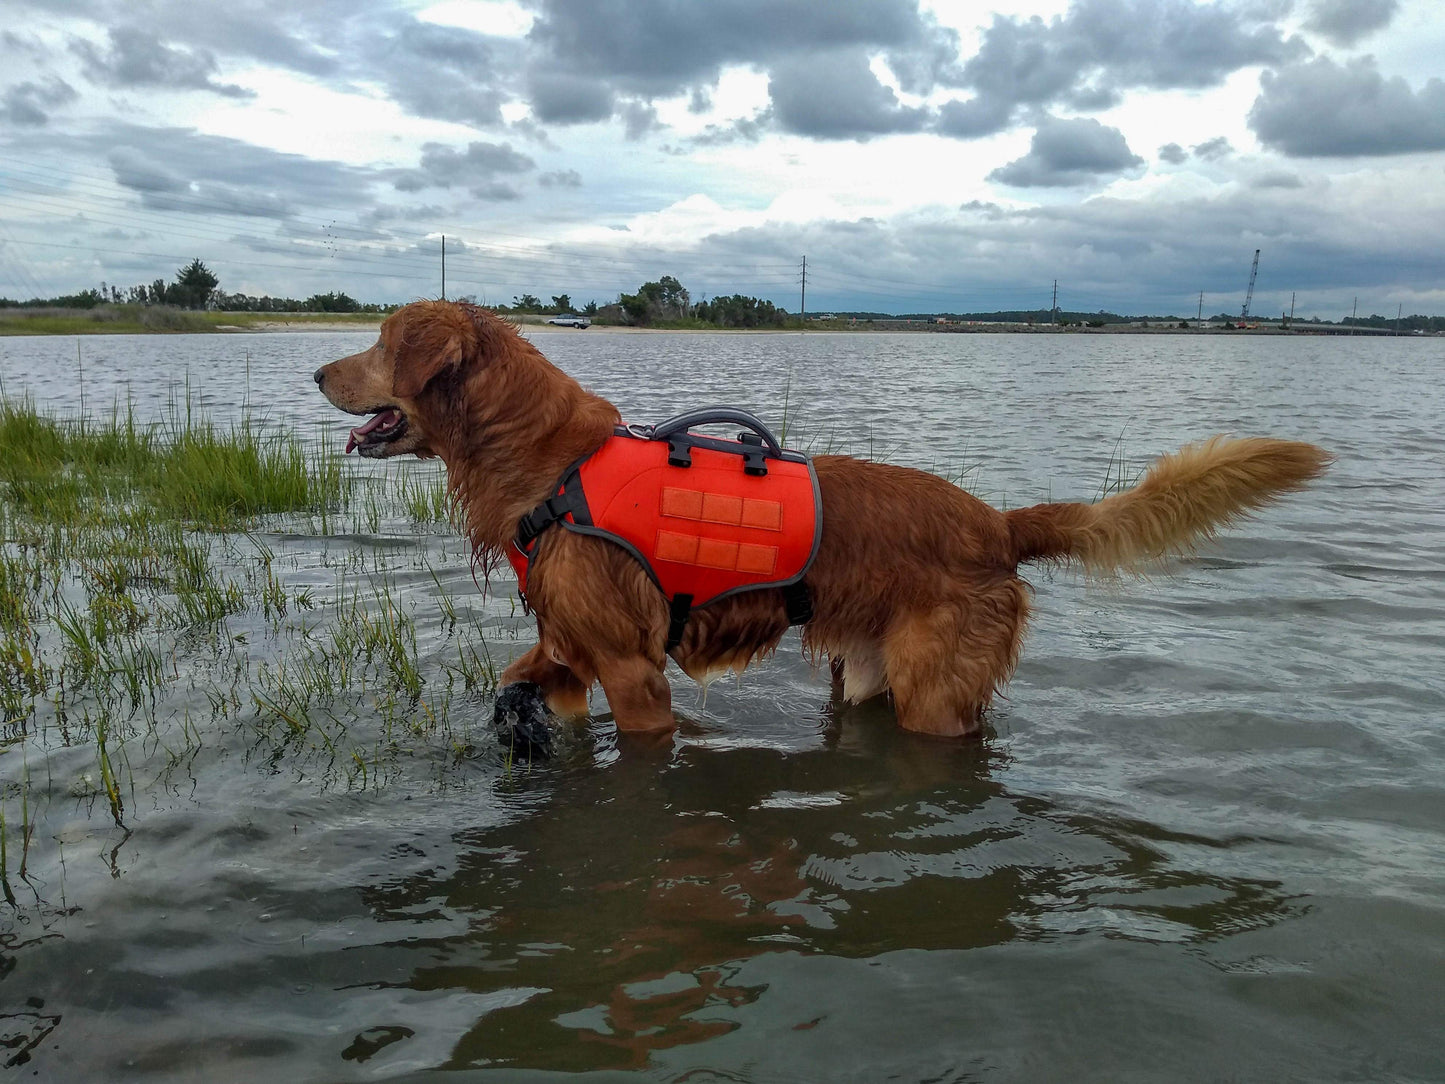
x=915 y=585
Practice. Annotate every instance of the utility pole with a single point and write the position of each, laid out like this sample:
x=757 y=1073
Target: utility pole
x=1200 y=318
x=803 y=295
x=1354 y=311
x=1054 y=306
x=1399 y=311
x=444 y=267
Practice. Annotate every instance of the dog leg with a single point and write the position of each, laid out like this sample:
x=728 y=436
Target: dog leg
x=520 y=720
x=565 y=693
x=637 y=693
x=943 y=666
x=533 y=688
x=859 y=675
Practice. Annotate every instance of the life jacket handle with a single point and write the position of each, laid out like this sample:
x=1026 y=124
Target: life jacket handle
x=714 y=415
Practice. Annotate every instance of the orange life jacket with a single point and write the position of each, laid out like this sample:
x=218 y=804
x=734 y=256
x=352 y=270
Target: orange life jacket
x=706 y=517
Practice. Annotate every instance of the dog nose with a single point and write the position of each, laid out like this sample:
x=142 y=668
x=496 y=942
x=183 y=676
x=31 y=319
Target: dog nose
x=319 y=375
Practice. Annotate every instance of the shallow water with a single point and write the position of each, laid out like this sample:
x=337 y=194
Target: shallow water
x=1205 y=838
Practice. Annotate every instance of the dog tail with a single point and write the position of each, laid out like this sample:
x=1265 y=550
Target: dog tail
x=1183 y=499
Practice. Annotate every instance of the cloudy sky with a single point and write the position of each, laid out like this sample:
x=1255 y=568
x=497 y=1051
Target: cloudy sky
x=923 y=155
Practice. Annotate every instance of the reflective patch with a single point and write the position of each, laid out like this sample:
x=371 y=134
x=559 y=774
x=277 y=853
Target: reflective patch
x=721 y=508
x=688 y=549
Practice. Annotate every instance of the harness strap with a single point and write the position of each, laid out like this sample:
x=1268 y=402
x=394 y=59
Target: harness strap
x=553 y=510
x=799 y=602
x=681 y=607
x=797 y=599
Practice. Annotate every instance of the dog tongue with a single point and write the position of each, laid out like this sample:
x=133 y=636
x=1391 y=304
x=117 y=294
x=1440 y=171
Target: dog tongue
x=376 y=421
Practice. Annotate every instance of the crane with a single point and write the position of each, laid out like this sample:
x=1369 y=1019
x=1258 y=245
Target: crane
x=1249 y=294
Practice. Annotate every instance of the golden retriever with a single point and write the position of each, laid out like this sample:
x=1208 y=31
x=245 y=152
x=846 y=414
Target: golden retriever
x=915 y=587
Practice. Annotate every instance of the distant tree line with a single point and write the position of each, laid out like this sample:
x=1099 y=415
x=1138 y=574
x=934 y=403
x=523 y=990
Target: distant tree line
x=665 y=302
x=1405 y=323
x=533 y=305
x=195 y=287
x=662 y=303
x=330 y=302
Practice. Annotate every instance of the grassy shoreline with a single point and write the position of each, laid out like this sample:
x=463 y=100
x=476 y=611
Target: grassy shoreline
x=161 y=320
x=183 y=584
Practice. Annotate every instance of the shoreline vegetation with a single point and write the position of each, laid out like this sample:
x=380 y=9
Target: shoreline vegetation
x=164 y=320
x=129 y=319
x=168 y=586
x=195 y=304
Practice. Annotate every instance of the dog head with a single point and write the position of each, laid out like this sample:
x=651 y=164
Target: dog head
x=422 y=346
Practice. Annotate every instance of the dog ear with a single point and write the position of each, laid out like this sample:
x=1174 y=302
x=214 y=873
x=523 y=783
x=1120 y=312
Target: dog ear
x=434 y=340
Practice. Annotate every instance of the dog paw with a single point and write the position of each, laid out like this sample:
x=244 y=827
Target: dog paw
x=520 y=720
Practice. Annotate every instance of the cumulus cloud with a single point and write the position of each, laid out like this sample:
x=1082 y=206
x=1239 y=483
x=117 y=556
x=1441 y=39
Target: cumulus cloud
x=1345 y=22
x=639 y=118
x=603 y=58
x=743 y=130
x=974 y=117
x=1087 y=57
x=1212 y=149
x=441 y=72
x=273 y=34
x=1069 y=152
x=1322 y=109
x=588 y=61
x=138 y=58
x=136 y=170
x=660 y=48
x=179 y=169
x=162 y=189
x=477 y=169
x=837 y=96
x=570 y=99
x=28 y=104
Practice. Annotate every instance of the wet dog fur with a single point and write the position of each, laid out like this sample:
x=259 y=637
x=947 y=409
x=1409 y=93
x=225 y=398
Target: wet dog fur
x=916 y=588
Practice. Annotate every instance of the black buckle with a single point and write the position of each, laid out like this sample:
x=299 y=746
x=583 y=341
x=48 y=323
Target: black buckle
x=540 y=518
x=679 y=452
x=753 y=460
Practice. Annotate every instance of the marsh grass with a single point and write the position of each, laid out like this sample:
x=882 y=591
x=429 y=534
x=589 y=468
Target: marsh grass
x=163 y=586
x=128 y=319
x=92 y=472
x=1119 y=473
x=102 y=320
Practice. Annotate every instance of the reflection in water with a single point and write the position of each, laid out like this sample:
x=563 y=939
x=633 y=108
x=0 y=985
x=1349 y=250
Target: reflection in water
x=628 y=905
